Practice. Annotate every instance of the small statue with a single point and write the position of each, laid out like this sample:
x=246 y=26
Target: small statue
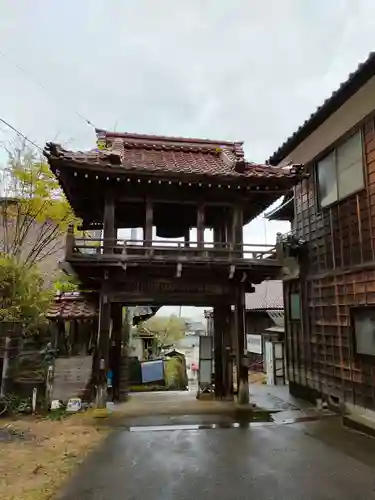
x=49 y=354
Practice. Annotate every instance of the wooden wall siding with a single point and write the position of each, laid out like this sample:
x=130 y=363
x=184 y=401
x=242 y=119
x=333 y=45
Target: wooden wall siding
x=257 y=321
x=339 y=275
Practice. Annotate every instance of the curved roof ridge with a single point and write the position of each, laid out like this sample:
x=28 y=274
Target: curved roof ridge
x=163 y=138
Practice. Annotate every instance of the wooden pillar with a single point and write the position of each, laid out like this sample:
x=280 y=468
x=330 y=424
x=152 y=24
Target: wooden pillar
x=103 y=349
x=125 y=352
x=218 y=236
x=116 y=338
x=147 y=240
x=69 y=242
x=54 y=329
x=227 y=353
x=228 y=228
x=237 y=228
x=218 y=352
x=200 y=226
x=242 y=369
x=109 y=230
x=187 y=238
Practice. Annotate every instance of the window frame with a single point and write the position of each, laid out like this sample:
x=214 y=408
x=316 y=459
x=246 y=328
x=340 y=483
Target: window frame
x=291 y=318
x=333 y=149
x=352 y=312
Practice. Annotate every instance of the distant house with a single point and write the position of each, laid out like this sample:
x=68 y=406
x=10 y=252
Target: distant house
x=194 y=327
x=264 y=320
x=329 y=257
x=144 y=344
x=264 y=310
x=264 y=305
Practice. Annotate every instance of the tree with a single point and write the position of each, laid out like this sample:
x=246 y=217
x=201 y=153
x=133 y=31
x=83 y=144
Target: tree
x=66 y=283
x=34 y=214
x=23 y=297
x=34 y=217
x=168 y=329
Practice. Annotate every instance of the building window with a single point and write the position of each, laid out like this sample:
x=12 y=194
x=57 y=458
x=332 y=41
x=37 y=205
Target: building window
x=295 y=306
x=340 y=173
x=364 y=331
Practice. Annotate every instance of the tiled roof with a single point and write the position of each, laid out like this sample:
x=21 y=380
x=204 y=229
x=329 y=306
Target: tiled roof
x=72 y=306
x=284 y=211
x=355 y=81
x=143 y=313
x=268 y=295
x=169 y=155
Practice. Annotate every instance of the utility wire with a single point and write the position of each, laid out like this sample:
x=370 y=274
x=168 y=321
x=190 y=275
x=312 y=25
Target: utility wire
x=42 y=86
x=21 y=134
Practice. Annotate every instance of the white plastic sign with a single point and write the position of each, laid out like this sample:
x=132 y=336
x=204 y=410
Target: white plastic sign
x=74 y=405
x=254 y=343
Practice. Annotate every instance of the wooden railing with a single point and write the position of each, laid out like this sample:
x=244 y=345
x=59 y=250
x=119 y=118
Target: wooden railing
x=127 y=250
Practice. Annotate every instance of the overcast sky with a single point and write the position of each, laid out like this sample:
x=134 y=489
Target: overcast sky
x=249 y=70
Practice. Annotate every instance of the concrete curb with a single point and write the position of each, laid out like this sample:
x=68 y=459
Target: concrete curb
x=357 y=425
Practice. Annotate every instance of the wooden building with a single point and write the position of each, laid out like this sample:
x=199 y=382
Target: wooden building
x=264 y=311
x=329 y=257
x=266 y=299
x=168 y=186
x=73 y=318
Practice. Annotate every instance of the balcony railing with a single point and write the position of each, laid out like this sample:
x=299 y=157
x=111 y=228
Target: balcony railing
x=165 y=250
x=281 y=237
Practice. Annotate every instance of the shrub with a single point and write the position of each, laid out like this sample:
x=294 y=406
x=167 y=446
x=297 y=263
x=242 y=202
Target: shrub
x=23 y=298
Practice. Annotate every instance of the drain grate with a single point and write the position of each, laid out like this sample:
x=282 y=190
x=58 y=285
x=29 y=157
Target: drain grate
x=195 y=427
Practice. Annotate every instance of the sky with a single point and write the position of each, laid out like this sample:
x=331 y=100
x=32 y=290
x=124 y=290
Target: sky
x=250 y=70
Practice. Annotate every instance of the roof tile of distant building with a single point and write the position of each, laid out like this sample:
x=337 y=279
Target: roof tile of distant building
x=268 y=295
x=72 y=305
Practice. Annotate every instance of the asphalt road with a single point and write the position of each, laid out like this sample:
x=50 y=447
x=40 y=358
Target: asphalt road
x=311 y=461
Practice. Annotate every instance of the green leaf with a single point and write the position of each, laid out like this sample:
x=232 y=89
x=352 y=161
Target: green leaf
x=23 y=296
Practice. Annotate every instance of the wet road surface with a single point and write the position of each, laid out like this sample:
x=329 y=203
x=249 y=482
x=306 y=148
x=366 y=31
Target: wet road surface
x=299 y=461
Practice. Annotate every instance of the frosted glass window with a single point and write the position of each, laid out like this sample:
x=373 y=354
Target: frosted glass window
x=350 y=166
x=340 y=173
x=327 y=180
x=364 y=329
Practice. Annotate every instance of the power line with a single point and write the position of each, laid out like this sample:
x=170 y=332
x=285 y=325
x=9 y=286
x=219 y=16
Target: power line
x=21 y=134
x=42 y=86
